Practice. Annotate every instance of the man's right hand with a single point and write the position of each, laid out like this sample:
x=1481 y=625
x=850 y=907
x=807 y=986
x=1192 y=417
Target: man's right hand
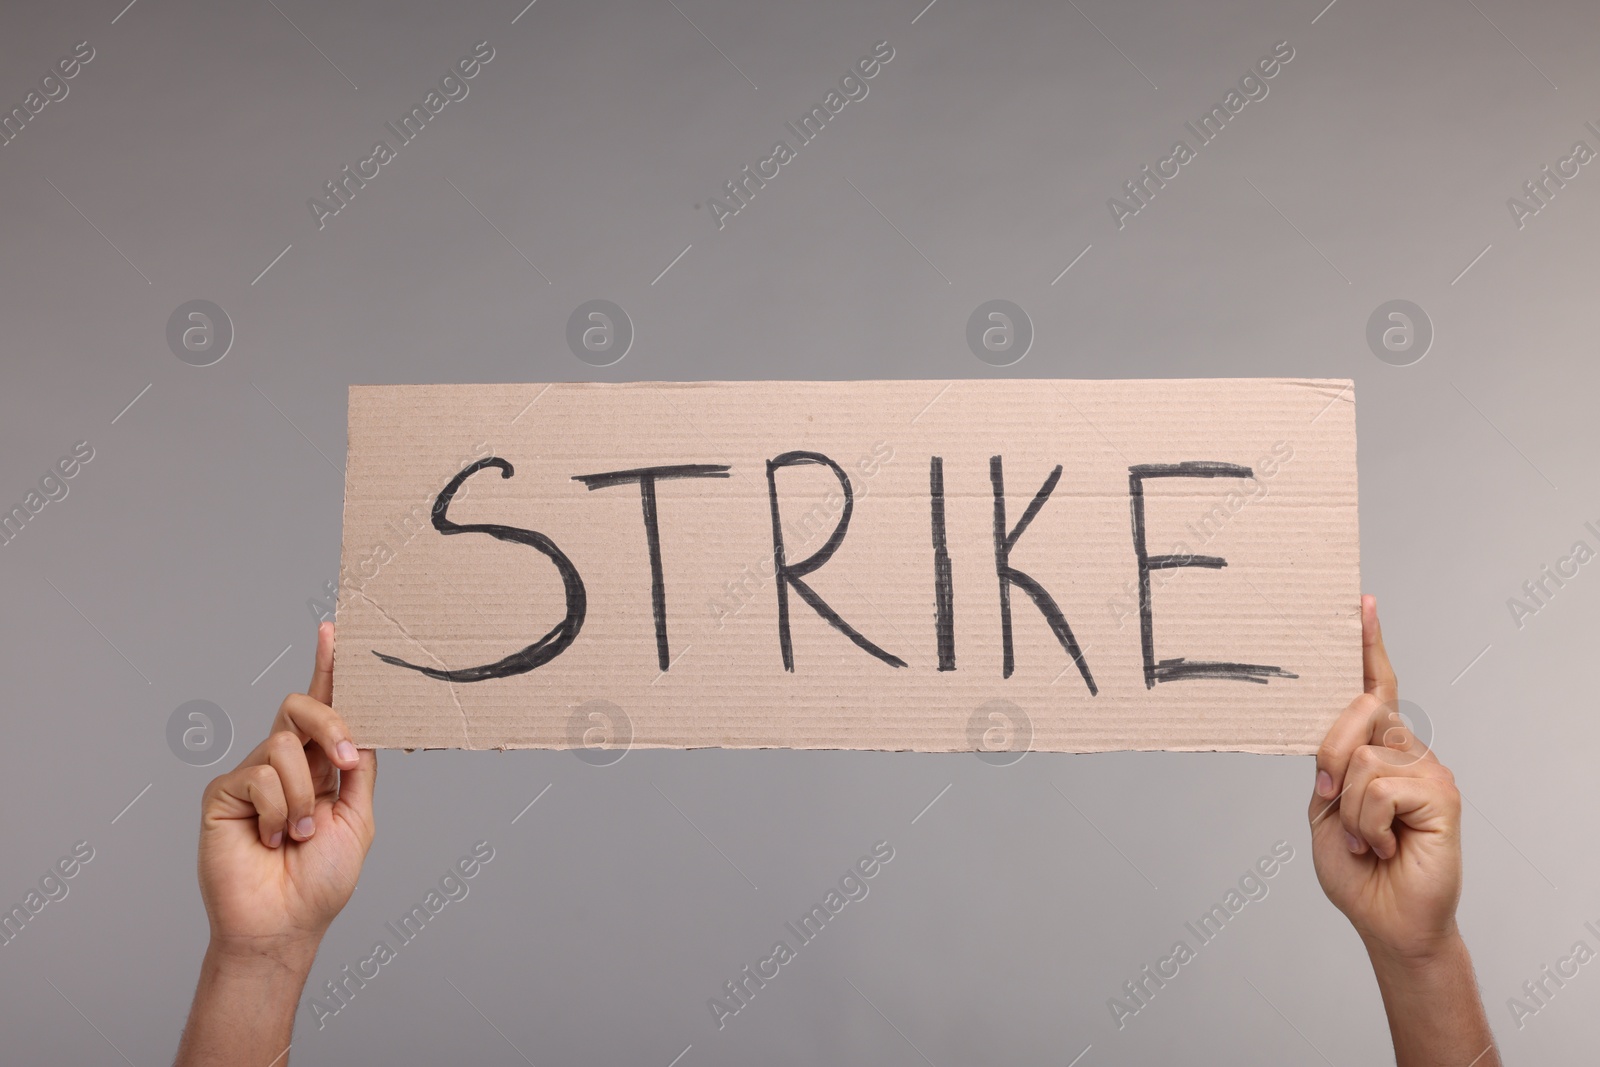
x=1386 y=818
x=1386 y=841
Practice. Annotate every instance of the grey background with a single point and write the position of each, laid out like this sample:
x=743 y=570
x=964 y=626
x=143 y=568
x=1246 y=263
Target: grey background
x=180 y=564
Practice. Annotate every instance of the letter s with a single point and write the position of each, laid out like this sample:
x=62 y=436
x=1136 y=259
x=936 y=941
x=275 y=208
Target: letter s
x=884 y=851
x=1283 y=50
x=884 y=51
x=484 y=51
x=551 y=644
x=79 y=51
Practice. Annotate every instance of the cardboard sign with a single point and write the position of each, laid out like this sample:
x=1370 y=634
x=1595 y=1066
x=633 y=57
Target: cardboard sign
x=1068 y=566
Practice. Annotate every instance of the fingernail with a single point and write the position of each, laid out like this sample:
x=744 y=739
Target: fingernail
x=305 y=827
x=277 y=839
x=1324 y=784
x=1352 y=841
x=346 y=750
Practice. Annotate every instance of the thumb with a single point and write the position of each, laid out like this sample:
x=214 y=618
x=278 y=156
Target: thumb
x=1380 y=680
x=321 y=687
x=355 y=791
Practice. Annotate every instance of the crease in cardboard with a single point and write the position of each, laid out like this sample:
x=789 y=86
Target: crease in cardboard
x=466 y=734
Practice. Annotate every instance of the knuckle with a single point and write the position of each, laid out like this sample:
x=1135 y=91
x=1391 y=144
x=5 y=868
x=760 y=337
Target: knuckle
x=1365 y=758
x=1395 y=734
x=284 y=742
x=213 y=790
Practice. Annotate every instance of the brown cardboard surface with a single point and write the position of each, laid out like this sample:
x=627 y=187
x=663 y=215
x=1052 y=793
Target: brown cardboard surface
x=1282 y=605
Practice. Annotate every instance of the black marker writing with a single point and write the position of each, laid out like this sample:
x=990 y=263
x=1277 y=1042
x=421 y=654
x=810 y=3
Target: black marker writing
x=1173 y=670
x=787 y=574
x=1009 y=575
x=551 y=644
x=943 y=590
x=647 y=478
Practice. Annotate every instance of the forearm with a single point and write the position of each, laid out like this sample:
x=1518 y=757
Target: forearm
x=1436 y=1015
x=244 y=1005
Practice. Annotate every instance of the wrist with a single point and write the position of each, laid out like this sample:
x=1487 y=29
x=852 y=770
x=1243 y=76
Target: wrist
x=262 y=958
x=1417 y=956
x=245 y=1001
x=1431 y=998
